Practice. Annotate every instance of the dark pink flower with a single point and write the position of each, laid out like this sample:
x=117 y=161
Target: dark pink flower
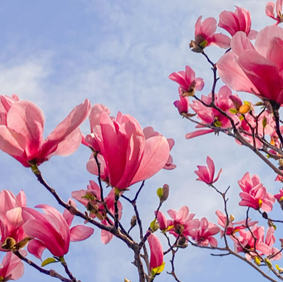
x=126 y=155
x=206 y=174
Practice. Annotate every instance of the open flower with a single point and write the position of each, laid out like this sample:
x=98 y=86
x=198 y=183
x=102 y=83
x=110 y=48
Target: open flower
x=12 y=268
x=277 y=14
x=52 y=230
x=255 y=69
x=187 y=81
x=254 y=195
x=21 y=136
x=125 y=153
x=205 y=35
x=91 y=199
x=206 y=174
x=204 y=235
x=240 y=20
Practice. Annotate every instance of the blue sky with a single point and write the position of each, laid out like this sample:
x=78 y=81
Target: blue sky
x=120 y=53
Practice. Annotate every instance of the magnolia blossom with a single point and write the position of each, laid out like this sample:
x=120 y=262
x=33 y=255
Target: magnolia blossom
x=205 y=35
x=12 y=268
x=232 y=227
x=255 y=69
x=204 y=235
x=91 y=199
x=245 y=242
x=52 y=230
x=277 y=14
x=156 y=253
x=240 y=20
x=182 y=222
x=182 y=105
x=21 y=131
x=206 y=174
x=187 y=81
x=126 y=155
x=11 y=221
x=254 y=195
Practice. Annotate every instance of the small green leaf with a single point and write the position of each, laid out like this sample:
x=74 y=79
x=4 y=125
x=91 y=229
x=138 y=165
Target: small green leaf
x=48 y=261
x=158 y=269
x=233 y=111
x=241 y=118
x=247 y=103
x=264 y=122
x=217 y=123
x=203 y=44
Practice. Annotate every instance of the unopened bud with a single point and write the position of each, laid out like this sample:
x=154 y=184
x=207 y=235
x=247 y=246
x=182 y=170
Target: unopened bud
x=232 y=217
x=257 y=260
x=165 y=194
x=126 y=280
x=133 y=221
x=182 y=242
x=280 y=269
x=195 y=47
x=268 y=263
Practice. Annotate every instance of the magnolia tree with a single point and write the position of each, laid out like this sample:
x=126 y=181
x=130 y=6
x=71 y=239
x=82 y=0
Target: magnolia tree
x=122 y=153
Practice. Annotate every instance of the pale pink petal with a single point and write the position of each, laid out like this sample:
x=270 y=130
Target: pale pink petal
x=26 y=118
x=198 y=133
x=80 y=232
x=36 y=248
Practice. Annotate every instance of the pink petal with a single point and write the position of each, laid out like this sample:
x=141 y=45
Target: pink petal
x=80 y=232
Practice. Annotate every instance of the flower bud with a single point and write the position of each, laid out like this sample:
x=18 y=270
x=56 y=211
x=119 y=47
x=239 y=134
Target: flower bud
x=163 y=193
x=133 y=221
x=182 y=243
x=232 y=217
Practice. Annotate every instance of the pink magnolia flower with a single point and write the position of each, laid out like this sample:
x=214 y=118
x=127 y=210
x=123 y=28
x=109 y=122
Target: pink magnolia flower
x=279 y=196
x=11 y=221
x=12 y=268
x=240 y=20
x=52 y=230
x=156 y=252
x=204 y=235
x=5 y=104
x=182 y=105
x=205 y=35
x=21 y=136
x=277 y=14
x=126 y=155
x=91 y=199
x=183 y=222
x=270 y=239
x=246 y=240
x=257 y=70
x=232 y=227
x=254 y=195
x=206 y=174
x=187 y=81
